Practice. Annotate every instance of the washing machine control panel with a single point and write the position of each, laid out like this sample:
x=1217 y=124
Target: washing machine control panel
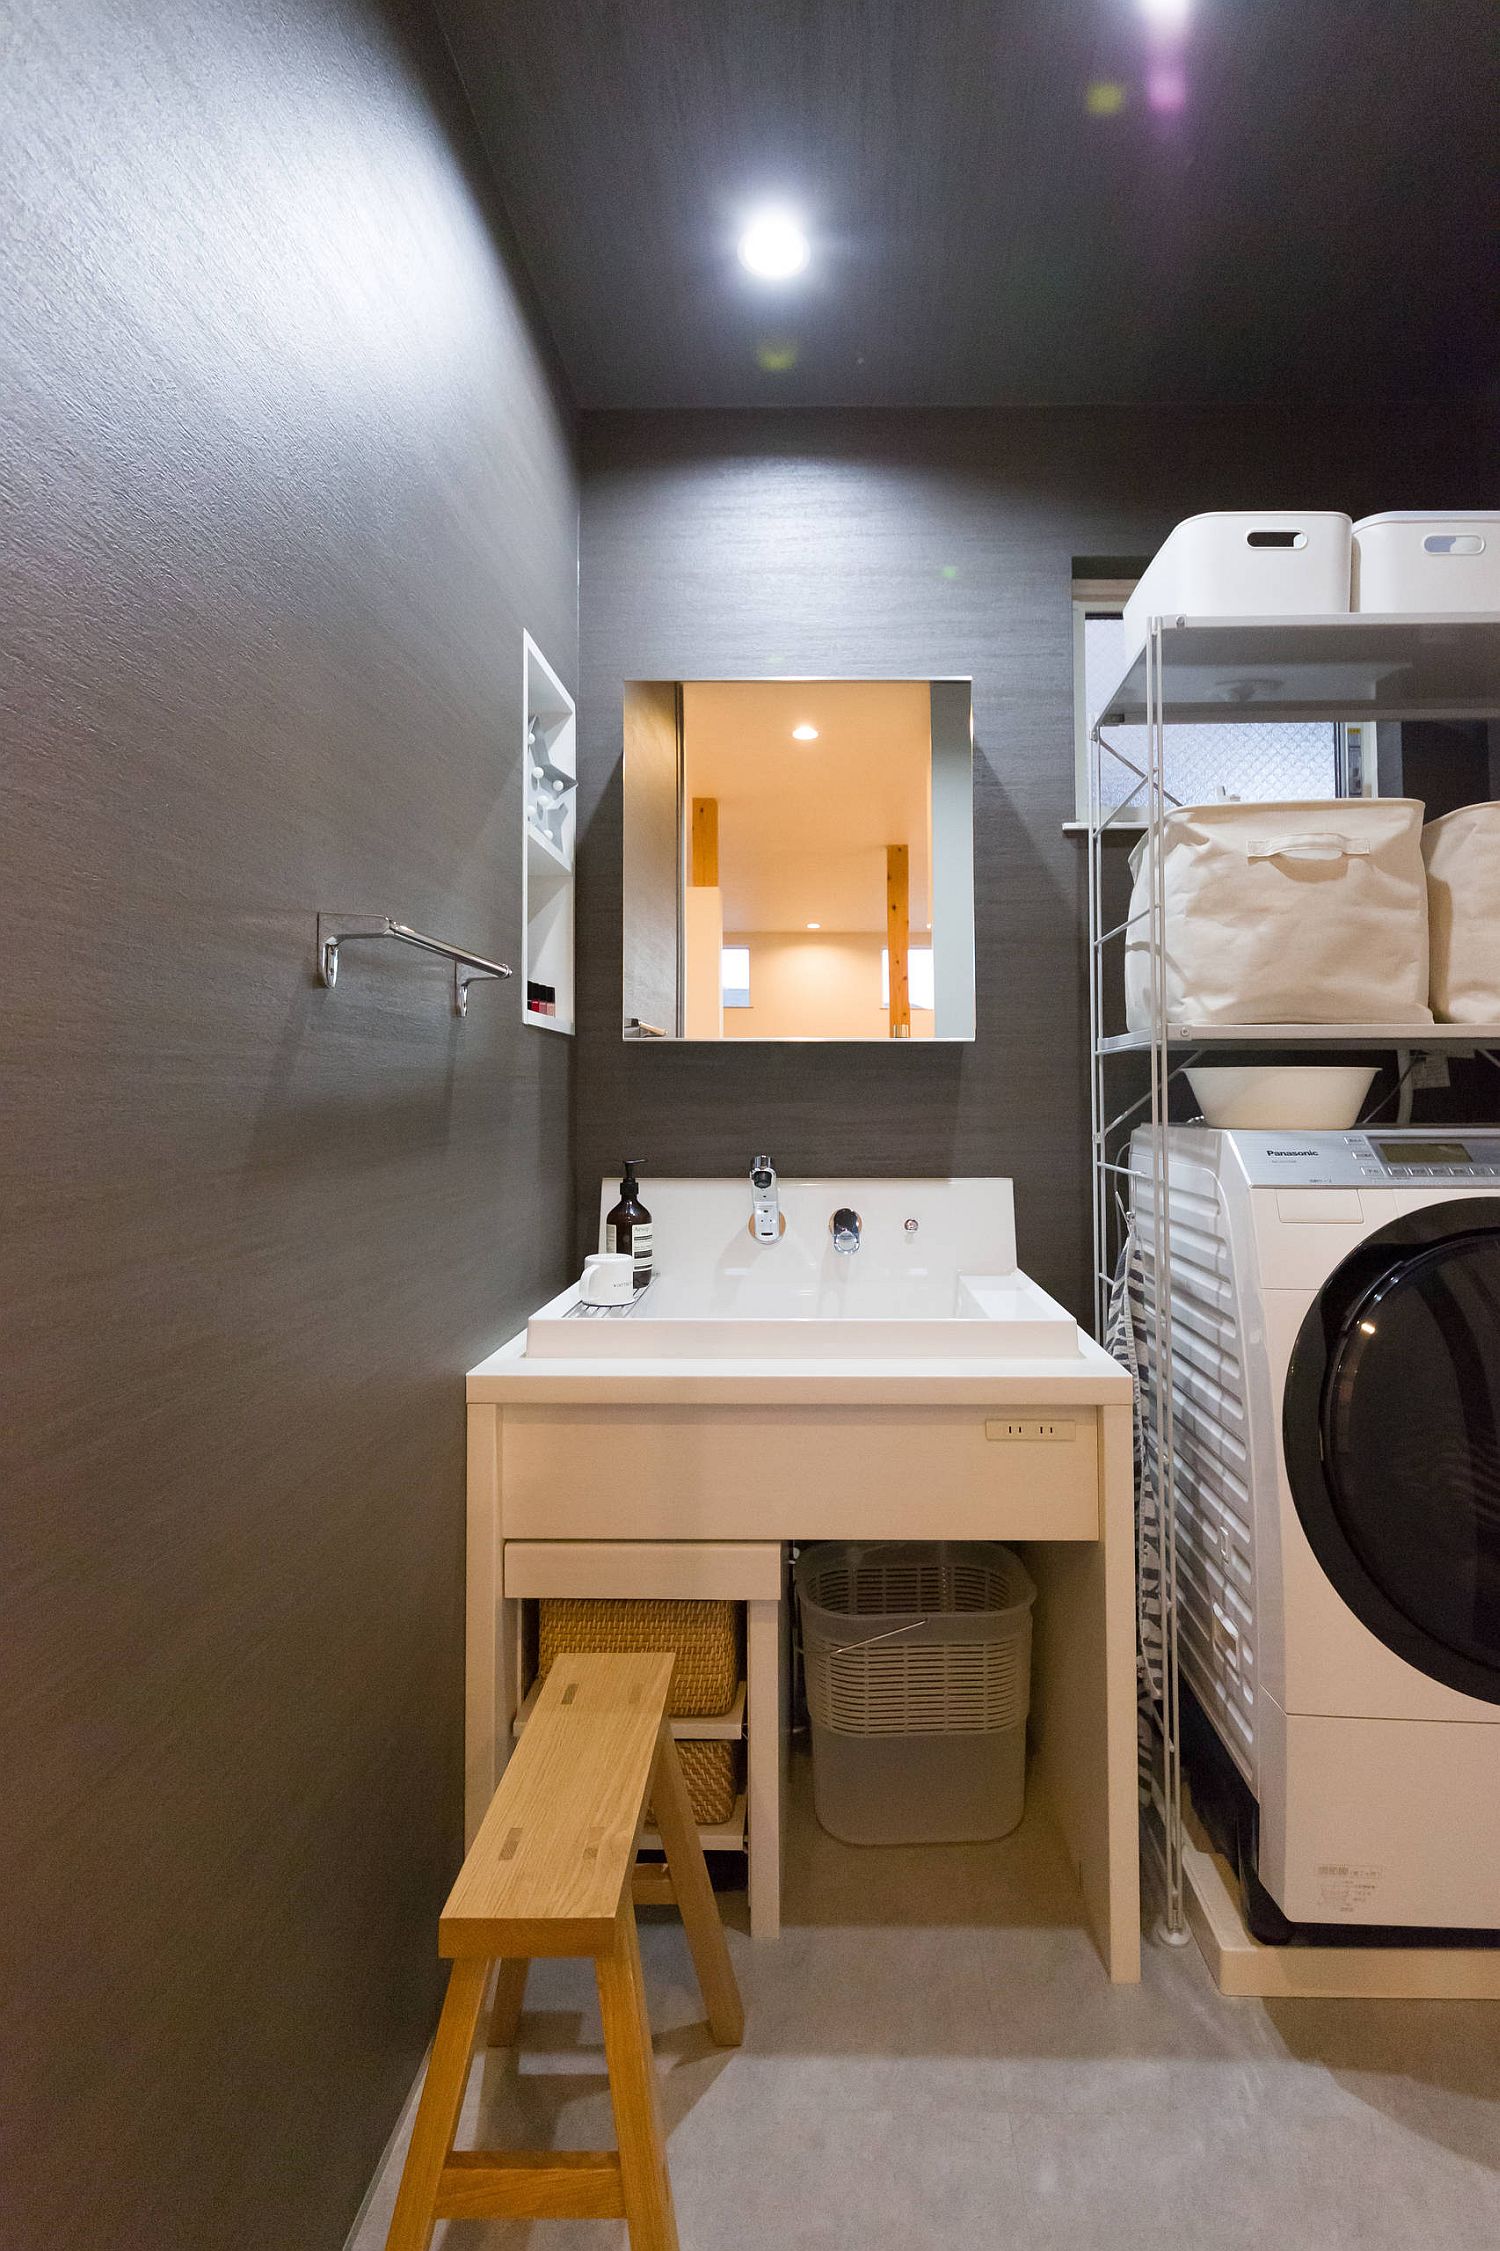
x=1376 y=1157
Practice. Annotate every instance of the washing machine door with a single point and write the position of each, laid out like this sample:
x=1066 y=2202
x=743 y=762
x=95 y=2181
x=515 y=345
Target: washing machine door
x=1391 y=1431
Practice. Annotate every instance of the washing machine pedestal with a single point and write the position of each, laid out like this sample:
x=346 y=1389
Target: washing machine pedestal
x=1381 y=1821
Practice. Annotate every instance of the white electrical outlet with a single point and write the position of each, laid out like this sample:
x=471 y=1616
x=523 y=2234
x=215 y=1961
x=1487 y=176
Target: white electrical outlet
x=1017 y=1429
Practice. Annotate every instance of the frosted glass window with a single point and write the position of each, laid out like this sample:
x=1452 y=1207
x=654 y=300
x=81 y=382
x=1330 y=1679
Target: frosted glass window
x=919 y=983
x=734 y=976
x=1284 y=758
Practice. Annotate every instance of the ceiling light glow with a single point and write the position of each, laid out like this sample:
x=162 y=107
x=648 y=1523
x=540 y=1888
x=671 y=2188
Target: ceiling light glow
x=1167 y=15
x=804 y=733
x=774 y=246
x=1166 y=88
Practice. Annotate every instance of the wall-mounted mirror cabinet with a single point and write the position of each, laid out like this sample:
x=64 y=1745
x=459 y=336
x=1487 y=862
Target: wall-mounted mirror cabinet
x=799 y=860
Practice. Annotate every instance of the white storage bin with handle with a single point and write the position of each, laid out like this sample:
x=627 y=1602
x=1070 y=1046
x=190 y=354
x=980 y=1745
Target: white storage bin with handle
x=918 y=1663
x=1311 y=912
x=1462 y=851
x=1415 y=561
x=1244 y=564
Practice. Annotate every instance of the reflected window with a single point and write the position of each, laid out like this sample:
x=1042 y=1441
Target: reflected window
x=1281 y=759
x=734 y=976
x=919 y=979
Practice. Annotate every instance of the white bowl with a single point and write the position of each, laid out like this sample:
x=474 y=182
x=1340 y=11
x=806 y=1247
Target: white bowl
x=1263 y=1096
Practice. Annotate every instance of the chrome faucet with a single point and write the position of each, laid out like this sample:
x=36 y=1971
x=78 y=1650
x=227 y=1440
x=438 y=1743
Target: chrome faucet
x=765 y=1204
x=844 y=1228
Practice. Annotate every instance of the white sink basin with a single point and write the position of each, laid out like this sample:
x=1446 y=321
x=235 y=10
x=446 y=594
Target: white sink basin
x=934 y=1278
x=983 y=1317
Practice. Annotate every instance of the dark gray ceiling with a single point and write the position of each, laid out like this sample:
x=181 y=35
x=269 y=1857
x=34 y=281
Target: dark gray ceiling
x=1291 y=199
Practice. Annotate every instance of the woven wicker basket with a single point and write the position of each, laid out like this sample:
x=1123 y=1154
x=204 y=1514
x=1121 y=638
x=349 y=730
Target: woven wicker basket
x=710 y=1771
x=704 y=1635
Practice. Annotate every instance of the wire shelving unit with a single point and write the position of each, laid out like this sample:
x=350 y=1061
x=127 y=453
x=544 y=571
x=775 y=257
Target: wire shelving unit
x=1209 y=671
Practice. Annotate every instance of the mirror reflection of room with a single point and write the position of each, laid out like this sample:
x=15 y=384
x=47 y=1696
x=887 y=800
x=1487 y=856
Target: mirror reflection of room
x=808 y=909
x=808 y=812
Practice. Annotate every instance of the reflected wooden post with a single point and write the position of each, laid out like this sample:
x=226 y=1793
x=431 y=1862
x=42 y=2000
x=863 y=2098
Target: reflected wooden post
x=703 y=871
x=898 y=935
x=703 y=927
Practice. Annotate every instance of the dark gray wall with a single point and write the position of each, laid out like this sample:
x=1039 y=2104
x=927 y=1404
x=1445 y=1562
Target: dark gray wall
x=285 y=477
x=720 y=544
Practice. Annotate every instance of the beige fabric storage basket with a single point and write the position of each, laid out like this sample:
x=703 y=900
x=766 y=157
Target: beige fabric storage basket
x=704 y=1635
x=1462 y=851
x=1310 y=912
x=711 y=1772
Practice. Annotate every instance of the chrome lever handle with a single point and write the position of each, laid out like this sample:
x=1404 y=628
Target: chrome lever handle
x=845 y=1227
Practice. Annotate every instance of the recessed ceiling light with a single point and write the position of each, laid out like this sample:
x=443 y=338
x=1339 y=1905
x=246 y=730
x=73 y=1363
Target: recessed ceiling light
x=815 y=926
x=773 y=246
x=804 y=733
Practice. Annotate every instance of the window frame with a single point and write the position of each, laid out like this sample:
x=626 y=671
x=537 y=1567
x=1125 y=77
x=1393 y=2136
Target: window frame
x=1354 y=745
x=928 y=1007
x=1092 y=596
x=724 y=989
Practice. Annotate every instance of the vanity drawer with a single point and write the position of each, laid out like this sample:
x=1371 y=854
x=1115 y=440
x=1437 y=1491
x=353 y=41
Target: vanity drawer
x=808 y=1473
x=650 y=1570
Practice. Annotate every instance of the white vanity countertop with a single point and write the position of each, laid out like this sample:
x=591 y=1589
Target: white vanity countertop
x=508 y=1377
x=930 y=1310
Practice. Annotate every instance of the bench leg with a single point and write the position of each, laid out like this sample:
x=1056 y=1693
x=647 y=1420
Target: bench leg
x=437 y=2112
x=510 y=1998
x=695 y=1895
x=632 y=2089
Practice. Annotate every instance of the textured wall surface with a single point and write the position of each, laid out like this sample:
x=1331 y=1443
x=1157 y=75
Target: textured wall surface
x=913 y=544
x=284 y=478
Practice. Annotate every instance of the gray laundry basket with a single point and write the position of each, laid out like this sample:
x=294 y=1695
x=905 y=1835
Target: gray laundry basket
x=918 y=1661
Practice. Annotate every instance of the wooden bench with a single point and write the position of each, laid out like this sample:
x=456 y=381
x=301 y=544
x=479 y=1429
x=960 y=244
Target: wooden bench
x=552 y=1872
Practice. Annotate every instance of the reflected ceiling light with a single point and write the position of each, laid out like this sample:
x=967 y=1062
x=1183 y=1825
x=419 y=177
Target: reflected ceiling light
x=1167 y=15
x=815 y=926
x=773 y=246
x=804 y=733
x=776 y=359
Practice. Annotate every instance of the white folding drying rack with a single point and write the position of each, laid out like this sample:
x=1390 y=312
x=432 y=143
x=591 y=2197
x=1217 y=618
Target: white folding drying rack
x=1208 y=671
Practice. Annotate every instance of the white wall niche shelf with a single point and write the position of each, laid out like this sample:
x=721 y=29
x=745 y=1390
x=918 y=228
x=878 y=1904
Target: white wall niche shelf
x=550 y=771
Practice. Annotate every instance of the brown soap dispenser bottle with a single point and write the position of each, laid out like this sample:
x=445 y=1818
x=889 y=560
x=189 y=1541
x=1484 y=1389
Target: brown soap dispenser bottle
x=628 y=1227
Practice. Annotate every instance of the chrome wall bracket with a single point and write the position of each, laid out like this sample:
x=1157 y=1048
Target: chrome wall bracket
x=336 y=930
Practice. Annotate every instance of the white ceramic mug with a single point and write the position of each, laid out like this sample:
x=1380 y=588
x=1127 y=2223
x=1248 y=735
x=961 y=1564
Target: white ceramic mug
x=608 y=1278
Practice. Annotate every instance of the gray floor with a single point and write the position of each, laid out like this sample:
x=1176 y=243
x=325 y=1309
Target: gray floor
x=933 y=2056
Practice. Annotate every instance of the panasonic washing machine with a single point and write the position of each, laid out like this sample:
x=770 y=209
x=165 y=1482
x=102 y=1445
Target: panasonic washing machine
x=1336 y=1387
